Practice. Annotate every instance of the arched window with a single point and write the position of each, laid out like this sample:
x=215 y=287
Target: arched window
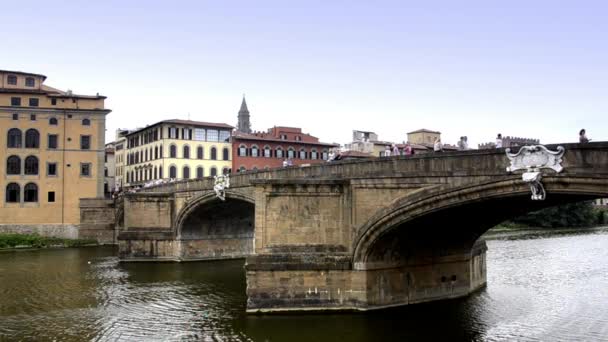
x=255 y=151
x=279 y=152
x=160 y=172
x=53 y=121
x=302 y=153
x=146 y=156
x=13 y=191
x=242 y=151
x=172 y=151
x=172 y=172
x=199 y=172
x=255 y=169
x=225 y=171
x=155 y=173
x=213 y=171
x=242 y=169
x=31 y=165
x=213 y=153
x=291 y=153
x=225 y=154
x=313 y=154
x=186 y=172
x=199 y=152
x=14 y=138
x=32 y=138
x=186 y=152
x=86 y=122
x=156 y=152
x=13 y=165
x=267 y=151
x=160 y=152
x=325 y=154
x=30 y=192
x=128 y=178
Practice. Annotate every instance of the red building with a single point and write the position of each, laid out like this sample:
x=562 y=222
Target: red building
x=266 y=150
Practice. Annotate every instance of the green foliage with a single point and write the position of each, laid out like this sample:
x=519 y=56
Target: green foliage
x=580 y=214
x=37 y=241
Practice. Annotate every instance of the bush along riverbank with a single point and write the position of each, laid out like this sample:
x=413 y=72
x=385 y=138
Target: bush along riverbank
x=12 y=241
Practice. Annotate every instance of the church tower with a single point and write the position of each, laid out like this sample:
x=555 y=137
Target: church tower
x=244 y=125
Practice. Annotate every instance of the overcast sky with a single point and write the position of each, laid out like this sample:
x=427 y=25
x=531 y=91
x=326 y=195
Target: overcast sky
x=524 y=68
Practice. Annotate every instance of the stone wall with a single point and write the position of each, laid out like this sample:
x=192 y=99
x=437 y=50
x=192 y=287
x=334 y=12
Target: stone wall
x=97 y=220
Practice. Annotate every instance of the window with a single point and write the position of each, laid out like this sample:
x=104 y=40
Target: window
x=12 y=80
x=199 y=172
x=33 y=117
x=15 y=116
x=86 y=122
x=199 y=134
x=85 y=169
x=53 y=121
x=31 y=165
x=34 y=102
x=242 y=151
x=51 y=169
x=199 y=152
x=186 y=134
x=298 y=138
x=279 y=152
x=30 y=192
x=13 y=165
x=85 y=142
x=224 y=136
x=51 y=197
x=313 y=154
x=15 y=101
x=156 y=152
x=105 y=172
x=225 y=171
x=242 y=169
x=212 y=135
x=225 y=154
x=186 y=152
x=32 y=138
x=302 y=153
x=30 y=82
x=146 y=156
x=186 y=172
x=325 y=155
x=213 y=171
x=213 y=153
x=54 y=102
x=172 y=133
x=155 y=173
x=172 y=151
x=160 y=173
x=172 y=172
x=267 y=152
x=14 y=138
x=254 y=151
x=283 y=136
x=52 y=141
x=12 y=193
x=255 y=169
x=160 y=153
x=291 y=153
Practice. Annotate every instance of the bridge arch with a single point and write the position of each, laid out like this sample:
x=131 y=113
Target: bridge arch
x=419 y=216
x=208 y=228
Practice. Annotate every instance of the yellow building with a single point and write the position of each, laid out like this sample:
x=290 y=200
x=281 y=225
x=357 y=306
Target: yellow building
x=177 y=149
x=120 y=159
x=52 y=155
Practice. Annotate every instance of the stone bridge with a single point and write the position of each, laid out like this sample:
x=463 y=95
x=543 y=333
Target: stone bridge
x=352 y=235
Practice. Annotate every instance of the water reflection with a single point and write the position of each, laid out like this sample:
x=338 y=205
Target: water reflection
x=549 y=288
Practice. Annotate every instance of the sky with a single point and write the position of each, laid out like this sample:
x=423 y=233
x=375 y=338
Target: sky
x=536 y=69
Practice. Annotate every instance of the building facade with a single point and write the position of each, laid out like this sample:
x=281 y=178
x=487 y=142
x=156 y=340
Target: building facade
x=52 y=155
x=267 y=150
x=109 y=170
x=177 y=149
x=510 y=142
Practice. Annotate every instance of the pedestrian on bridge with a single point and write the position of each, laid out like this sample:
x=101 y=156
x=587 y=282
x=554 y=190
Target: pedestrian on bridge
x=582 y=137
x=438 y=146
x=499 y=141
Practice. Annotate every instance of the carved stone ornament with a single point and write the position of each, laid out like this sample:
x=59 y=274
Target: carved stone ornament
x=222 y=182
x=533 y=159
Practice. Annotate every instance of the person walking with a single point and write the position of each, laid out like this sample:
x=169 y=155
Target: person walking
x=387 y=151
x=407 y=150
x=499 y=141
x=437 y=146
x=396 y=150
x=582 y=137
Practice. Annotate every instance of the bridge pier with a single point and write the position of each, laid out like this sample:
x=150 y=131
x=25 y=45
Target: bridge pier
x=301 y=282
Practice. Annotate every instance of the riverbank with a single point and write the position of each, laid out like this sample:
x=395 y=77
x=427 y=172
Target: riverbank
x=25 y=241
x=507 y=232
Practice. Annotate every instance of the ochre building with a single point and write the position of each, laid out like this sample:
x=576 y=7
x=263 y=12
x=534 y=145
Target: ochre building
x=177 y=149
x=52 y=154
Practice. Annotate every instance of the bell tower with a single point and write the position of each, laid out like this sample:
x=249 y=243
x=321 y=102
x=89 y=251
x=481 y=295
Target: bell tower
x=244 y=125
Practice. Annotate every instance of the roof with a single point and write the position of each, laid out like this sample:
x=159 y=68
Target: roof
x=424 y=130
x=22 y=73
x=50 y=92
x=246 y=136
x=356 y=154
x=182 y=122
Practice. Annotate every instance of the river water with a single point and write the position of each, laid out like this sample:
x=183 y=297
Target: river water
x=540 y=288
